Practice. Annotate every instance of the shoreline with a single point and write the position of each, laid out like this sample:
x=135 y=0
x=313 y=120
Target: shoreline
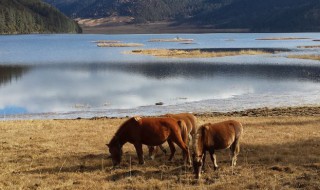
x=291 y=111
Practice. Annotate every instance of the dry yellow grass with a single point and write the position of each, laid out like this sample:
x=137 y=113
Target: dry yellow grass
x=276 y=153
x=312 y=57
x=196 y=53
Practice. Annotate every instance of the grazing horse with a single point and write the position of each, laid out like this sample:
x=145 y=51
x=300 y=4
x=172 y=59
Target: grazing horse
x=151 y=131
x=191 y=124
x=217 y=136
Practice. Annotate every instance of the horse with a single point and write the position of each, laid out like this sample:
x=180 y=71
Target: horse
x=191 y=124
x=212 y=137
x=151 y=131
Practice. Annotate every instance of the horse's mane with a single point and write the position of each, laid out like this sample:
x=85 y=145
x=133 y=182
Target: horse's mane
x=119 y=131
x=198 y=138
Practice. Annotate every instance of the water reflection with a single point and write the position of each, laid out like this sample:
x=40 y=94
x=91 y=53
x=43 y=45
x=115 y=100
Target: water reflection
x=69 y=74
x=167 y=70
x=104 y=88
x=11 y=73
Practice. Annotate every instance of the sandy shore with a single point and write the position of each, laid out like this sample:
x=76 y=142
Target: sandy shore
x=279 y=150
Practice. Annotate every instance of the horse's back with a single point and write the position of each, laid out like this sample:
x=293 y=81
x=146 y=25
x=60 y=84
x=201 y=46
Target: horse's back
x=156 y=130
x=188 y=118
x=222 y=134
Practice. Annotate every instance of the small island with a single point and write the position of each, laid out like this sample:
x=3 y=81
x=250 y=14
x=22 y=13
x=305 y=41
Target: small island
x=284 y=38
x=204 y=53
x=177 y=39
x=309 y=47
x=310 y=57
x=104 y=44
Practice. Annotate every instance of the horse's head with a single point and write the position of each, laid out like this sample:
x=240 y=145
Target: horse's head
x=197 y=164
x=116 y=152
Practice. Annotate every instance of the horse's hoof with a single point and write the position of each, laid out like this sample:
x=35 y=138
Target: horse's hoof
x=215 y=168
x=141 y=163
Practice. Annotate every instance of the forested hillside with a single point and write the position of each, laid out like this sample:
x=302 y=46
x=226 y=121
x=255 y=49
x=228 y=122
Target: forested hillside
x=263 y=15
x=146 y=10
x=255 y=15
x=33 y=16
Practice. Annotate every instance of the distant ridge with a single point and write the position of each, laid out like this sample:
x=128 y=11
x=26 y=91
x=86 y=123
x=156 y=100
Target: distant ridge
x=252 y=15
x=33 y=16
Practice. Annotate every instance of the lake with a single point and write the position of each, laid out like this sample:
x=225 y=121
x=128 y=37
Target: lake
x=68 y=76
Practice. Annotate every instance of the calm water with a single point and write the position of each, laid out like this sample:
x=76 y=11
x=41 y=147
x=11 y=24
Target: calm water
x=67 y=76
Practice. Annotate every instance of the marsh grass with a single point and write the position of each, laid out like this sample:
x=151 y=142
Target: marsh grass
x=312 y=57
x=197 y=53
x=276 y=153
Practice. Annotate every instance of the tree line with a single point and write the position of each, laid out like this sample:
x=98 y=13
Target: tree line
x=33 y=16
x=255 y=15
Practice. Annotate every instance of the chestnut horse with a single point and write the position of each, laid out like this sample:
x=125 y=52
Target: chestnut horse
x=151 y=131
x=217 y=136
x=191 y=124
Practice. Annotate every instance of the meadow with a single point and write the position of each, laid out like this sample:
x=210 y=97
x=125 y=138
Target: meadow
x=278 y=151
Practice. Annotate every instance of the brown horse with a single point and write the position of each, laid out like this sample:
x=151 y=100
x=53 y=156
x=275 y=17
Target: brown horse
x=149 y=131
x=211 y=137
x=191 y=124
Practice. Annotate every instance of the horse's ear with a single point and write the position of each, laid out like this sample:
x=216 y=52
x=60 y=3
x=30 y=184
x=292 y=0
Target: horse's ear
x=108 y=145
x=137 y=118
x=206 y=127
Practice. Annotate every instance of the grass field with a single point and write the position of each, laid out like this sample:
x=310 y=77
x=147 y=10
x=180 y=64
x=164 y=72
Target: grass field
x=277 y=152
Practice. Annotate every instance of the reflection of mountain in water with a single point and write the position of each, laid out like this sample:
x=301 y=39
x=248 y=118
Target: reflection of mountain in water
x=198 y=70
x=9 y=73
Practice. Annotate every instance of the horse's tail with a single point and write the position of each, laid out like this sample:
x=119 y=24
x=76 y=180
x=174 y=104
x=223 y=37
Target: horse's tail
x=184 y=131
x=239 y=132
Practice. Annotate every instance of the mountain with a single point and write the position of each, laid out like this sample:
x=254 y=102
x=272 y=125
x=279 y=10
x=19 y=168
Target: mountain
x=254 y=15
x=147 y=10
x=33 y=16
x=263 y=15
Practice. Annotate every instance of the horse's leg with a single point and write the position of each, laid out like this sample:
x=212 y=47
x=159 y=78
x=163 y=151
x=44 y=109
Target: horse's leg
x=190 y=139
x=178 y=140
x=204 y=160
x=172 y=149
x=152 y=152
x=163 y=149
x=139 y=150
x=213 y=158
x=235 y=149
